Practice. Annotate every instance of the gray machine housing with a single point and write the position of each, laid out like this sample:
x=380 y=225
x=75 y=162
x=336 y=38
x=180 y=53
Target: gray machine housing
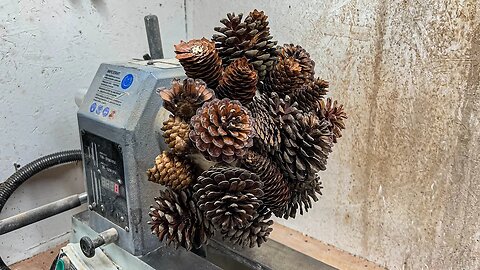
x=120 y=141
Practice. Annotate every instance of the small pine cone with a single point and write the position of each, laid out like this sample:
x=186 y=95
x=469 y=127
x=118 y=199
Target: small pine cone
x=302 y=195
x=275 y=186
x=175 y=131
x=308 y=96
x=335 y=114
x=293 y=69
x=183 y=100
x=176 y=219
x=200 y=60
x=222 y=130
x=250 y=38
x=239 y=82
x=171 y=171
x=228 y=197
x=254 y=235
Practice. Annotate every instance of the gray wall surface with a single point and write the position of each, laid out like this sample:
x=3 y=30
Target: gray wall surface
x=401 y=188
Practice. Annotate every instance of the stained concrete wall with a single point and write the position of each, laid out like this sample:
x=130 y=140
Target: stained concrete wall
x=401 y=187
x=48 y=50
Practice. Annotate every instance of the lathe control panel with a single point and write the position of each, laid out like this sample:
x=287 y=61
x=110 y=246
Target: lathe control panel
x=104 y=169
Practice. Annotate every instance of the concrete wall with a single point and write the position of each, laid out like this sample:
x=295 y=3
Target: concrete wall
x=401 y=187
x=48 y=50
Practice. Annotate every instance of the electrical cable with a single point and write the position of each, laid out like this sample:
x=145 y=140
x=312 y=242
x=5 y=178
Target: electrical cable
x=26 y=172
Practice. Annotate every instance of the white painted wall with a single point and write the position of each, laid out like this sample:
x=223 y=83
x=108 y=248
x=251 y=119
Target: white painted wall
x=48 y=50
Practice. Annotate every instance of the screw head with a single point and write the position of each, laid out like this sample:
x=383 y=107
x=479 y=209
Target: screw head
x=127 y=229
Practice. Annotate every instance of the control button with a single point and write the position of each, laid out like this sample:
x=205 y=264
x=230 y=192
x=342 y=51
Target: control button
x=122 y=219
x=102 y=208
x=116 y=188
x=119 y=181
x=99 y=109
x=93 y=107
x=105 y=112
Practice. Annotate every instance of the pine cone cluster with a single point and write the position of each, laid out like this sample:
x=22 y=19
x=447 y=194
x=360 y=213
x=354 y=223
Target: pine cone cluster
x=249 y=38
x=175 y=131
x=293 y=70
x=176 y=219
x=183 y=100
x=260 y=136
x=239 y=82
x=222 y=130
x=229 y=197
x=172 y=171
x=200 y=60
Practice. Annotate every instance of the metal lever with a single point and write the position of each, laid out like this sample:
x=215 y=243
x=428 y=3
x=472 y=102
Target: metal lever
x=89 y=245
x=153 y=36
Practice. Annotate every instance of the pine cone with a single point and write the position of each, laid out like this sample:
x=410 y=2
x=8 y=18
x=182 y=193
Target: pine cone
x=228 y=197
x=308 y=96
x=177 y=220
x=239 y=82
x=175 y=132
x=335 y=114
x=222 y=130
x=293 y=70
x=268 y=136
x=200 y=60
x=302 y=195
x=171 y=171
x=255 y=234
x=276 y=189
x=250 y=38
x=183 y=100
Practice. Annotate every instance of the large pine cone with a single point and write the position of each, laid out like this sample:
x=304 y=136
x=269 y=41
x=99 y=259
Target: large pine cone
x=275 y=186
x=222 y=130
x=268 y=136
x=302 y=195
x=183 y=100
x=200 y=60
x=228 y=197
x=255 y=234
x=171 y=171
x=335 y=114
x=176 y=219
x=250 y=38
x=294 y=69
x=239 y=82
x=175 y=131
x=308 y=96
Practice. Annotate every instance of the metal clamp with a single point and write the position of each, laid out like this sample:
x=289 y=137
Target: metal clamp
x=89 y=245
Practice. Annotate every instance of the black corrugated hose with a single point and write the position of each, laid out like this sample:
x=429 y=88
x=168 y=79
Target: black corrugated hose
x=23 y=174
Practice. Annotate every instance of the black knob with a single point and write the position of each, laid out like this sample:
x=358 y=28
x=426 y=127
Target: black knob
x=89 y=245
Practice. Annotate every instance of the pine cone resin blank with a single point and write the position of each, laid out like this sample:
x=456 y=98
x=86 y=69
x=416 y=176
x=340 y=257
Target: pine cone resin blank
x=200 y=60
x=222 y=130
x=275 y=186
x=183 y=100
x=228 y=197
x=176 y=219
x=293 y=69
x=249 y=38
x=175 y=131
x=255 y=234
x=302 y=195
x=335 y=114
x=239 y=82
x=171 y=171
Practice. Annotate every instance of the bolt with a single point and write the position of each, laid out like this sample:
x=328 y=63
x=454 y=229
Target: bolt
x=127 y=229
x=102 y=208
x=90 y=207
